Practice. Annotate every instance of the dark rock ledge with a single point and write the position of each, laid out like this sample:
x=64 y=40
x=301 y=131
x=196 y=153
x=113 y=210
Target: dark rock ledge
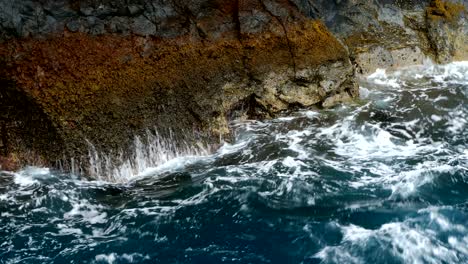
x=105 y=71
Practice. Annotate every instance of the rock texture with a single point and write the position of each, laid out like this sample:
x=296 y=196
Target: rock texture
x=391 y=34
x=105 y=71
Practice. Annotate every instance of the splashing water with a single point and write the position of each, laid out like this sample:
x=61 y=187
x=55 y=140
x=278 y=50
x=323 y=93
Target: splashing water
x=157 y=150
x=384 y=180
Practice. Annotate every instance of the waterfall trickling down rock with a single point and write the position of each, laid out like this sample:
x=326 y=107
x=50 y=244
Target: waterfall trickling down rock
x=149 y=151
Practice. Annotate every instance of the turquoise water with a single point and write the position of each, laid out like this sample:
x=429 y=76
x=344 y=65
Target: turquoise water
x=382 y=180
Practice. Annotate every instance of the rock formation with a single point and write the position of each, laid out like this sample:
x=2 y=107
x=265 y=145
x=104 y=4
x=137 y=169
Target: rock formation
x=104 y=71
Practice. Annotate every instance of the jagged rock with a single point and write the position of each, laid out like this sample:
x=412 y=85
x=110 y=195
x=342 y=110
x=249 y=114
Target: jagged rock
x=446 y=25
x=118 y=25
x=390 y=34
x=143 y=27
x=104 y=71
x=134 y=9
x=59 y=9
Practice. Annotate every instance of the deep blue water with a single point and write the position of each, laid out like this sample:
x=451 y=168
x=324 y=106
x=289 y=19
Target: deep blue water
x=381 y=180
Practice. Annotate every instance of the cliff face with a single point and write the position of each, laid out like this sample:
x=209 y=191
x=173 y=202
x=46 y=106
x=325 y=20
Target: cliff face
x=105 y=71
x=388 y=34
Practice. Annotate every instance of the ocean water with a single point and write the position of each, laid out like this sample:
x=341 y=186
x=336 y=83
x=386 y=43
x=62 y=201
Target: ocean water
x=381 y=180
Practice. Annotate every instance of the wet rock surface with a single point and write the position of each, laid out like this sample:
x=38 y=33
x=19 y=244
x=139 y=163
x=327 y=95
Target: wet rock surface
x=392 y=34
x=104 y=71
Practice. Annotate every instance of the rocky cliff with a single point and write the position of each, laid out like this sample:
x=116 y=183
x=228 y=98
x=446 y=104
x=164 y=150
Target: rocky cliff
x=74 y=72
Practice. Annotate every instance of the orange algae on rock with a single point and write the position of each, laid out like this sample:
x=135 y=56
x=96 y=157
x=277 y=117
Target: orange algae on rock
x=319 y=44
x=440 y=9
x=108 y=88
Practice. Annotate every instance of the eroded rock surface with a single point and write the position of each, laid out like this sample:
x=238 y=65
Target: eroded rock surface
x=391 y=34
x=105 y=71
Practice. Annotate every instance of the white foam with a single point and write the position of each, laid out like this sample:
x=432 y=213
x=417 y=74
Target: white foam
x=311 y=114
x=171 y=165
x=412 y=241
x=436 y=118
x=110 y=258
x=380 y=77
x=402 y=183
x=457 y=121
x=370 y=141
x=406 y=183
x=65 y=230
x=87 y=212
x=30 y=175
x=227 y=148
x=368 y=146
x=293 y=163
x=24 y=180
x=364 y=92
x=455 y=72
x=295 y=139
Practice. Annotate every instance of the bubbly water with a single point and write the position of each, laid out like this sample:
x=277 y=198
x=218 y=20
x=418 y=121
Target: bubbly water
x=382 y=180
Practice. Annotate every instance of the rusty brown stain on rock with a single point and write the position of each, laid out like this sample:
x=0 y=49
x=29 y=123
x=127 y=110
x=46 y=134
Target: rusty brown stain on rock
x=78 y=66
x=106 y=88
x=9 y=163
x=440 y=9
